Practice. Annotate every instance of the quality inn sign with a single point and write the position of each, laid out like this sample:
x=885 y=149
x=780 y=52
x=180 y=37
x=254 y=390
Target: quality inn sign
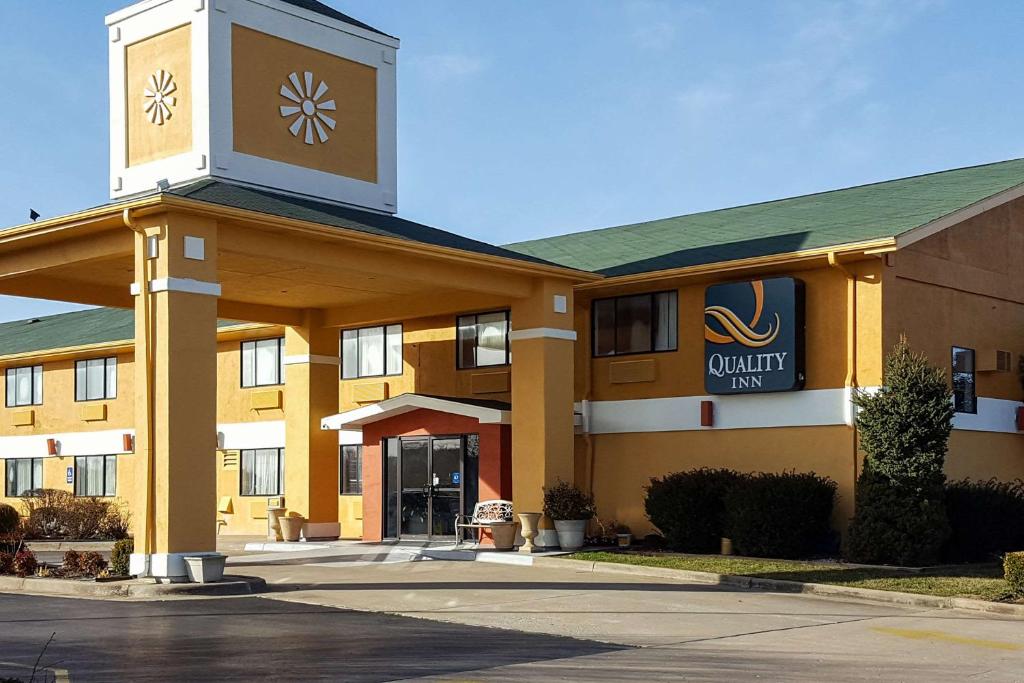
x=754 y=336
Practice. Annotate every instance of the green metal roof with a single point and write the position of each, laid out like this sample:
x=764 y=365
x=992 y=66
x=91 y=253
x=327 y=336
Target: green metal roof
x=856 y=214
x=93 y=326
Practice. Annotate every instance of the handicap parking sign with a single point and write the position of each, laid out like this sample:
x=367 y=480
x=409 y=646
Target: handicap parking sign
x=71 y=475
x=456 y=477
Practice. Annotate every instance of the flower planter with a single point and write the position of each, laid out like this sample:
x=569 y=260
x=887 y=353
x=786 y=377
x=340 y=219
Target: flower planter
x=625 y=540
x=205 y=568
x=528 y=522
x=570 y=533
x=291 y=527
x=503 y=534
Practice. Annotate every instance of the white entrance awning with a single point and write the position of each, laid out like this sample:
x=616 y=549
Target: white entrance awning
x=487 y=412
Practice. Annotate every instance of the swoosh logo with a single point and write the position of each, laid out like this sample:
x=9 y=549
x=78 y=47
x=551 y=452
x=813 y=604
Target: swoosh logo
x=737 y=331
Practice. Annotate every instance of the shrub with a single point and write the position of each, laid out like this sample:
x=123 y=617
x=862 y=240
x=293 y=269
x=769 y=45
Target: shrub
x=116 y=523
x=986 y=519
x=904 y=429
x=119 y=556
x=9 y=519
x=563 y=501
x=6 y=563
x=784 y=515
x=72 y=563
x=1013 y=570
x=92 y=563
x=25 y=562
x=689 y=509
x=59 y=514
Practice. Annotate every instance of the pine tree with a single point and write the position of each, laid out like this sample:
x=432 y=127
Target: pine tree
x=904 y=430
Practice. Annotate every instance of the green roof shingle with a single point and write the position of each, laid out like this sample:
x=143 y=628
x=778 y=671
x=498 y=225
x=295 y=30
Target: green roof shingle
x=92 y=326
x=856 y=214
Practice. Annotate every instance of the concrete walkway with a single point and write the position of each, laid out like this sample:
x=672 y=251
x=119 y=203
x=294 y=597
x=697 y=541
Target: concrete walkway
x=682 y=629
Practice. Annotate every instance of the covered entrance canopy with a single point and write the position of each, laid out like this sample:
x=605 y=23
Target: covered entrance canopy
x=186 y=256
x=427 y=459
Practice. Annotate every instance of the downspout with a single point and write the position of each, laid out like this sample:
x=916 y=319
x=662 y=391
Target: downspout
x=588 y=391
x=851 y=348
x=148 y=539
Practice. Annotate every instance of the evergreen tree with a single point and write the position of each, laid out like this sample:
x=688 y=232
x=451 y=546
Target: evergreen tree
x=904 y=430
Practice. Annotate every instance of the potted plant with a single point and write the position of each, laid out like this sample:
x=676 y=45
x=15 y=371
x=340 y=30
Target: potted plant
x=570 y=509
x=624 y=535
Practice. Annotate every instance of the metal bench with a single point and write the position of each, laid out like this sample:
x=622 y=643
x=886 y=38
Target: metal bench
x=493 y=515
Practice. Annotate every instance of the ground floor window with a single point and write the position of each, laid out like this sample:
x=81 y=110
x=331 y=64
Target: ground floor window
x=96 y=475
x=24 y=476
x=263 y=472
x=965 y=398
x=351 y=470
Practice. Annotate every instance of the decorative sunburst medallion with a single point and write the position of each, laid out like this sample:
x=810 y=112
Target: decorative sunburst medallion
x=158 y=97
x=308 y=109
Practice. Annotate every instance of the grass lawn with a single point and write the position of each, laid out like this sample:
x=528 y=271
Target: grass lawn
x=981 y=581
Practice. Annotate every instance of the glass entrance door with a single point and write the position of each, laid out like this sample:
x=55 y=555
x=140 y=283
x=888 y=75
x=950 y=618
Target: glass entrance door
x=431 y=486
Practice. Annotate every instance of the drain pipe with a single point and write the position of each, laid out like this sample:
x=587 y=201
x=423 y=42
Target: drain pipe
x=851 y=348
x=142 y=266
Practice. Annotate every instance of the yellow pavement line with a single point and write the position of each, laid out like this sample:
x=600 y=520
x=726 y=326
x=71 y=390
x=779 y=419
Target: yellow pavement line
x=59 y=675
x=947 y=637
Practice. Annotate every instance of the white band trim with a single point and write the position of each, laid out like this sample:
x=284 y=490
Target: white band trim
x=178 y=284
x=314 y=359
x=542 y=333
x=810 y=408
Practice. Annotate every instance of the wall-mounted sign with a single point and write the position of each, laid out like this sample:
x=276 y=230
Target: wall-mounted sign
x=754 y=336
x=71 y=475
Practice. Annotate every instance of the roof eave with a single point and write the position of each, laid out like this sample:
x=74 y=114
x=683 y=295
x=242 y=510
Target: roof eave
x=865 y=248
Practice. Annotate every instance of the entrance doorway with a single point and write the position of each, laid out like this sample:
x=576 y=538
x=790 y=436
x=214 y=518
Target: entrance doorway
x=429 y=480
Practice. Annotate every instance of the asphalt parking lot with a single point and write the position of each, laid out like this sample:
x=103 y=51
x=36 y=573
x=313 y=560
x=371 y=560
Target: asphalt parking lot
x=248 y=639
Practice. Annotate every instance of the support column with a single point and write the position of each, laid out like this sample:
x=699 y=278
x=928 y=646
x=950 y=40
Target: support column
x=310 y=394
x=543 y=340
x=176 y=290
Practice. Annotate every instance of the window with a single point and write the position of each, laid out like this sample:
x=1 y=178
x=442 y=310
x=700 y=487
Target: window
x=96 y=475
x=96 y=379
x=263 y=472
x=371 y=352
x=263 y=362
x=24 y=476
x=965 y=399
x=25 y=386
x=351 y=470
x=640 y=323
x=483 y=340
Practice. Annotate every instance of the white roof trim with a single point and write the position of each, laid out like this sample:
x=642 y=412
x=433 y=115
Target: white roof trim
x=406 y=403
x=959 y=216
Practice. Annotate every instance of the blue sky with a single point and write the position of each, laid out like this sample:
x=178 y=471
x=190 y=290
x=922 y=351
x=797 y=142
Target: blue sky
x=532 y=118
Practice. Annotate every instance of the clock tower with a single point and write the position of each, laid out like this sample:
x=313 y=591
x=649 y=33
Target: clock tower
x=287 y=95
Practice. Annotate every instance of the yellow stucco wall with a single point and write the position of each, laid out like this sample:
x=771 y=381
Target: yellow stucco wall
x=625 y=463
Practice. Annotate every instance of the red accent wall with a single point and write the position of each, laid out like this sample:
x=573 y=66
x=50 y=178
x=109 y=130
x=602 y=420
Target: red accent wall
x=495 y=457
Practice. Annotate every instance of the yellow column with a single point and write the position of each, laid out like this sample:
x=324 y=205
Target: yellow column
x=311 y=393
x=543 y=342
x=174 y=501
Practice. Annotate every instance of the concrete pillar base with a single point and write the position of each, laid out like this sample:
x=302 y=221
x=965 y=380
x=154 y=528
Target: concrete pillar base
x=168 y=567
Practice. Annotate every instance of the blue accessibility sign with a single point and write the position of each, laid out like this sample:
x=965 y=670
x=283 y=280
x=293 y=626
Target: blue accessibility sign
x=456 y=477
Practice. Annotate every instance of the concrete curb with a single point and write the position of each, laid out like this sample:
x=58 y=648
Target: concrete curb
x=780 y=586
x=59 y=546
x=132 y=588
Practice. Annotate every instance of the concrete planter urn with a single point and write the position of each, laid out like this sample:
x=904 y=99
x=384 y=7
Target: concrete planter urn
x=205 y=568
x=528 y=522
x=291 y=527
x=274 y=516
x=570 y=533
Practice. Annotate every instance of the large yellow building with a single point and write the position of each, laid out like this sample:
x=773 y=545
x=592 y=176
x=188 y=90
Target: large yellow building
x=271 y=331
